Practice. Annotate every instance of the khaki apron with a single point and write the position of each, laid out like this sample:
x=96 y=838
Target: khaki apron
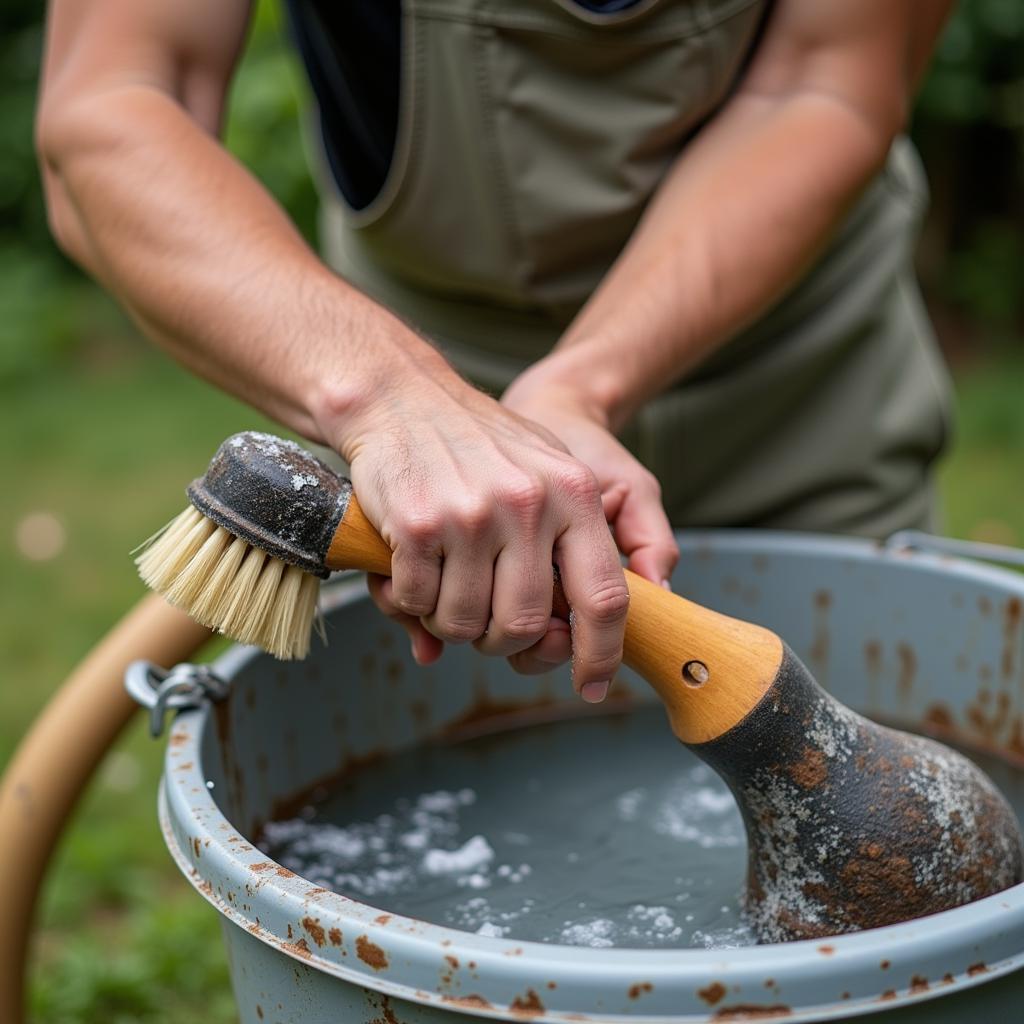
x=530 y=137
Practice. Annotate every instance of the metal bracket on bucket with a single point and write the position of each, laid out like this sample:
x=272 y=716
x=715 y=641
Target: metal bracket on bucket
x=161 y=690
x=918 y=540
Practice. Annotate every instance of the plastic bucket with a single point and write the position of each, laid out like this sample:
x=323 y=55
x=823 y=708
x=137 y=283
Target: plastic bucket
x=916 y=638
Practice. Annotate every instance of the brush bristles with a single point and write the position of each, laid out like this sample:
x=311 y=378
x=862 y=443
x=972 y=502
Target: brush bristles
x=227 y=584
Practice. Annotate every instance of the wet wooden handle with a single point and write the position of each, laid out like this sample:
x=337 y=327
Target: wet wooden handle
x=709 y=669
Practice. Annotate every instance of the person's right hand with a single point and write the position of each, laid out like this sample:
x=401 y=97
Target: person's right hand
x=477 y=504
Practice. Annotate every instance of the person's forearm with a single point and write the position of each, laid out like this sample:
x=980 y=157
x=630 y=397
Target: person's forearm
x=741 y=215
x=209 y=265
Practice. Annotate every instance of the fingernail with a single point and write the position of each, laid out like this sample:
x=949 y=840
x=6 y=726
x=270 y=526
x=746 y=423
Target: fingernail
x=667 y=584
x=594 y=693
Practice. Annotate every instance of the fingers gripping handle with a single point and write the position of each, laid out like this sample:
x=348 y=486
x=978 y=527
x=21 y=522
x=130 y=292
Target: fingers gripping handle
x=710 y=670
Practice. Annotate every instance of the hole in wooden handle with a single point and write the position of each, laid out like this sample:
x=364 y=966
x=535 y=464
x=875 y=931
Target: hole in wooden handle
x=695 y=673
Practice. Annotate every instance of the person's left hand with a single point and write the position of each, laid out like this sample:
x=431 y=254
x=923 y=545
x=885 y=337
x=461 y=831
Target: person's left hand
x=630 y=492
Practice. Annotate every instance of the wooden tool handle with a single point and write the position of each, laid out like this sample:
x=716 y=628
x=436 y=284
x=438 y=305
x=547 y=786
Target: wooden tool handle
x=710 y=670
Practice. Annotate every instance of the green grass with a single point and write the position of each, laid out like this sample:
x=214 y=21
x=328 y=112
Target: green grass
x=981 y=477
x=106 y=443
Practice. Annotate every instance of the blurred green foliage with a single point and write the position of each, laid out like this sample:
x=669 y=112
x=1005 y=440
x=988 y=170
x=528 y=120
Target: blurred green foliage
x=977 y=74
x=266 y=112
x=969 y=124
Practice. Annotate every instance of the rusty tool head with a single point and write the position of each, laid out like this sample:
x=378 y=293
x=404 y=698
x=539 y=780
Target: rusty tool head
x=852 y=825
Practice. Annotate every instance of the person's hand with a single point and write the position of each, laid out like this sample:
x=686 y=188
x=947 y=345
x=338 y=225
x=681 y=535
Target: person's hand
x=630 y=494
x=477 y=504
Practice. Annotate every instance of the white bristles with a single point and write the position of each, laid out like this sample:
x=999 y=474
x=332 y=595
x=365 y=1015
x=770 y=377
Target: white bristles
x=231 y=586
x=211 y=603
x=163 y=561
x=238 y=598
x=256 y=622
x=285 y=601
x=191 y=581
x=306 y=612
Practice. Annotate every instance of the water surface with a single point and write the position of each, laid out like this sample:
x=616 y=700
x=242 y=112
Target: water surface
x=596 y=831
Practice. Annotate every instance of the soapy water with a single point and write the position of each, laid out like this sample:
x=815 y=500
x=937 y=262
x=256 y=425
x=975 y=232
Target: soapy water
x=598 y=831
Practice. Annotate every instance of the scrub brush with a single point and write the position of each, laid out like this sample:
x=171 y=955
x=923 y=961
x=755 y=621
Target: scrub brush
x=247 y=556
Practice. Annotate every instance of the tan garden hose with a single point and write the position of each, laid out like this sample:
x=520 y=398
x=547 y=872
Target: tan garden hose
x=55 y=761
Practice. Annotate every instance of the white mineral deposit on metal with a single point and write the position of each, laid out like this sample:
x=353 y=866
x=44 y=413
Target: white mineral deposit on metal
x=300 y=480
x=598 y=832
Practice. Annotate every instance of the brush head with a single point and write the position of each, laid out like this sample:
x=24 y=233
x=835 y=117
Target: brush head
x=275 y=495
x=246 y=557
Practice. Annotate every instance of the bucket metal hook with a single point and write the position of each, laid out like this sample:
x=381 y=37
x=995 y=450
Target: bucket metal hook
x=161 y=690
x=918 y=540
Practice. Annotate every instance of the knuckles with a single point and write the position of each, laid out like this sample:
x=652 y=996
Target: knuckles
x=671 y=553
x=525 y=496
x=607 y=605
x=420 y=532
x=579 y=485
x=458 y=631
x=413 y=604
x=472 y=516
x=526 y=628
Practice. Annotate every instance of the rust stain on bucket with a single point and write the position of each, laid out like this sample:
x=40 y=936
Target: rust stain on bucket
x=315 y=929
x=1011 y=630
x=908 y=669
x=752 y=1011
x=371 y=954
x=528 y=1005
x=299 y=948
x=469 y=1002
x=714 y=993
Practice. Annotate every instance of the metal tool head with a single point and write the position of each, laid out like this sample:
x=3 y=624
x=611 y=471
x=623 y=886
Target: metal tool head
x=276 y=496
x=851 y=825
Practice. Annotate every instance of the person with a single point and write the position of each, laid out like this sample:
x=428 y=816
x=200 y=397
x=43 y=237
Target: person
x=638 y=263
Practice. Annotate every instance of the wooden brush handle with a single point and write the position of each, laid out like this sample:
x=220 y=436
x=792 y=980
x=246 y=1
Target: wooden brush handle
x=710 y=670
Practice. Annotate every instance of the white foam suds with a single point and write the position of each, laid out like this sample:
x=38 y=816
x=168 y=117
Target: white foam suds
x=471 y=856
x=597 y=934
x=695 y=808
x=494 y=931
